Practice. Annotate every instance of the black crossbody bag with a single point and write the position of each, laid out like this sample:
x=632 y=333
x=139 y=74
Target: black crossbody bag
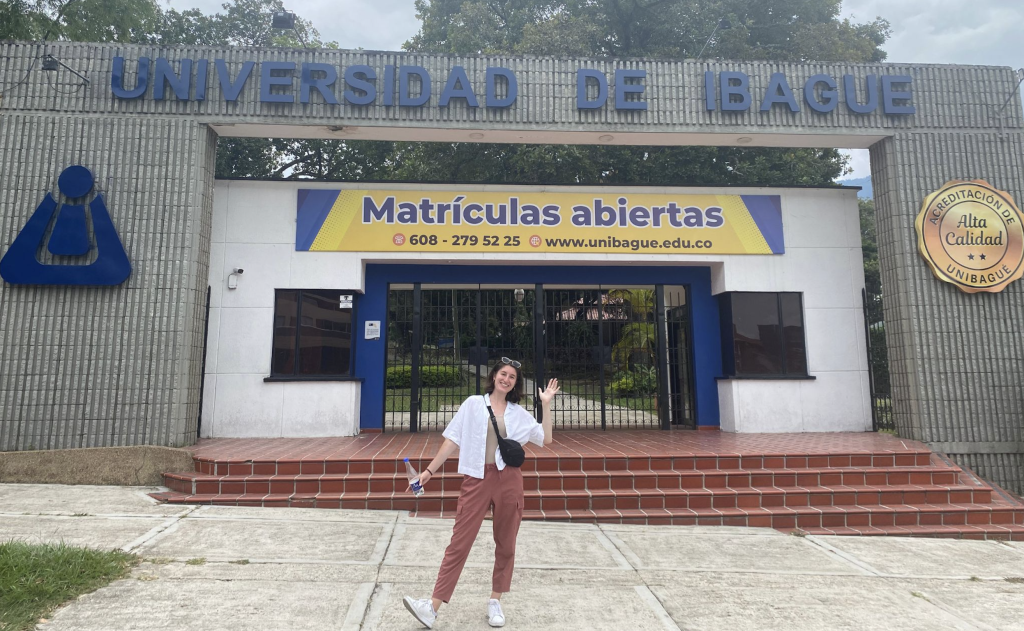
x=511 y=451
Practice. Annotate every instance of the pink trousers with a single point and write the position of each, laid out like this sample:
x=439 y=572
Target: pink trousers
x=503 y=489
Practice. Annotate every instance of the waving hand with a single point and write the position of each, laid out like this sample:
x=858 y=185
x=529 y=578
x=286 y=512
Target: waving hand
x=547 y=394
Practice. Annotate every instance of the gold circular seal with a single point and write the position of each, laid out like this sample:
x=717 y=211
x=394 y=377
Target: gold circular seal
x=971 y=235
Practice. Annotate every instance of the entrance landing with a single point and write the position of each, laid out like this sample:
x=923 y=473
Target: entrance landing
x=849 y=484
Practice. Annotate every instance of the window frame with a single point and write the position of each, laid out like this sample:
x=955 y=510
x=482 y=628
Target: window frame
x=295 y=375
x=726 y=319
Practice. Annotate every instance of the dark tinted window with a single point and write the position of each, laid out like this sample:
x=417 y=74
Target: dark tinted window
x=325 y=339
x=793 y=333
x=313 y=324
x=286 y=309
x=756 y=336
x=764 y=334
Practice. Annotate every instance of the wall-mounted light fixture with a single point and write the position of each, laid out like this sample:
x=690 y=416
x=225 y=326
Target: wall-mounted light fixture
x=285 y=20
x=51 y=67
x=52 y=64
x=519 y=294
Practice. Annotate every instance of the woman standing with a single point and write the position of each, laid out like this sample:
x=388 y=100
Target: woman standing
x=488 y=481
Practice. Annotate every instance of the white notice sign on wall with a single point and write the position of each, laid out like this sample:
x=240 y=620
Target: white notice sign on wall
x=372 y=330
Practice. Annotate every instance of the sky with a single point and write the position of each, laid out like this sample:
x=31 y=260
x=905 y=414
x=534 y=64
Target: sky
x=981 y=32
x=985 y=32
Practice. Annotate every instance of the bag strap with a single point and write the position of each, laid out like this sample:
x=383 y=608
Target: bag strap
x=494 y=421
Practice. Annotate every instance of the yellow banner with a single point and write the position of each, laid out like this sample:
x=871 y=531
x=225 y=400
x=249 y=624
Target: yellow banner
x=382 y=220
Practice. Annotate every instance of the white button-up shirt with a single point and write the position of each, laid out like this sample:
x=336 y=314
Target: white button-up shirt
x=468 y=430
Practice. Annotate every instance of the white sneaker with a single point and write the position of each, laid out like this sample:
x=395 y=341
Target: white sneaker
x=423 y=610
x=495 y=616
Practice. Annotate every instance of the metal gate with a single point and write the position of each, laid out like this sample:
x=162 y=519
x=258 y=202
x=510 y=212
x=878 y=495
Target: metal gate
x=878 y=364
x=621 y=355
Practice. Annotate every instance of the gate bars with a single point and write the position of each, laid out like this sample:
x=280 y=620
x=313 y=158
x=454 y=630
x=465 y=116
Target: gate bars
x=622 y=356
x=878 y=363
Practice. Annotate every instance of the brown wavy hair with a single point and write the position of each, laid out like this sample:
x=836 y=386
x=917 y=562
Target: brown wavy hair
x=517 y=391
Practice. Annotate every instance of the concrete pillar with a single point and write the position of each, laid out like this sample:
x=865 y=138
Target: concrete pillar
x=956 y=359
x=106 y=366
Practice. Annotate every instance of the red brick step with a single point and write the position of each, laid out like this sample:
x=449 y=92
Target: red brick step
x=821 y=484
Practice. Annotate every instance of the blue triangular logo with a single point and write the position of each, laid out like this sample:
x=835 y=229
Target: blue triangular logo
x=70 y=237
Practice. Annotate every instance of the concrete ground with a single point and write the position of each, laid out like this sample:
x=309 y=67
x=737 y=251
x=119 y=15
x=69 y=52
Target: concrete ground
x=286 y=568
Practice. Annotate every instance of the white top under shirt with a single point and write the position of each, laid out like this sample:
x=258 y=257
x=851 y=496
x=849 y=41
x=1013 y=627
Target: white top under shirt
x=468 y=430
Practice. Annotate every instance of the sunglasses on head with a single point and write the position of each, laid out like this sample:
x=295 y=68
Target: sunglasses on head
x=511 y=362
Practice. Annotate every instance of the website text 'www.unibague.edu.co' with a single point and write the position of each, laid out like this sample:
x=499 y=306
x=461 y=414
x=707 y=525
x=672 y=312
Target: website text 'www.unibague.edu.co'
x=633 y=245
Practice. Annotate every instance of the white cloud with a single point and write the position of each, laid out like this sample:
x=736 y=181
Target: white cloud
x=985 y=32
x=982 y=32
x=860 y=163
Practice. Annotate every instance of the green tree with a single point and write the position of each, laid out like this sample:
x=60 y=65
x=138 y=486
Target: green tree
x=869 y=248
x=242 y=23
x=124 y=21
x=19 y=21
x=779 y=30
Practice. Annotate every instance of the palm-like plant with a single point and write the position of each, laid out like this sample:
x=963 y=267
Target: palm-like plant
x=637 y=337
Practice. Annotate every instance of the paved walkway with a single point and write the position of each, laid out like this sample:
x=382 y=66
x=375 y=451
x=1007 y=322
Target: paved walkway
x=269 y=568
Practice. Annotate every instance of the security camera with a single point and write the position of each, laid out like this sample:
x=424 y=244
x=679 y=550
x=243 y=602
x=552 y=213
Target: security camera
x=238 y=270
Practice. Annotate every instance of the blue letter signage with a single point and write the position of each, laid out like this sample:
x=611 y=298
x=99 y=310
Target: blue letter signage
x=363 y=85
x=732 y=93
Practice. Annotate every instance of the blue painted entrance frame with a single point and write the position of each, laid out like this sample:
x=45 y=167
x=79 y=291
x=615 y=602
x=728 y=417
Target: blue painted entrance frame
x=705 y=336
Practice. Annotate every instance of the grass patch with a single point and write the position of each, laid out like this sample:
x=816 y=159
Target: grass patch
x=196 y=561
x=36 y=579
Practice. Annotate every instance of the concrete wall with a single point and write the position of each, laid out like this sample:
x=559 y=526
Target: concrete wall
x=254 y=229
x=108 y=366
